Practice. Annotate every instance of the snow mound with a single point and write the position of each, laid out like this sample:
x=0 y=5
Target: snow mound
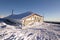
x=28 y=34
x=39 y=32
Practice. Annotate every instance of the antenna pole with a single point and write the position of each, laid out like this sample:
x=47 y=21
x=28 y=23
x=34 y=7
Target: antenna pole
x=12 y=12
x=43 y=15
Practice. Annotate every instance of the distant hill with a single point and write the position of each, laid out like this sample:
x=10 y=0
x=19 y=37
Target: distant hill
x=52 y=22
x=2 y=19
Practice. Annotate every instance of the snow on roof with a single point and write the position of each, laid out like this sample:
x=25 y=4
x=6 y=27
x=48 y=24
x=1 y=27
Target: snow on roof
x=20 y=16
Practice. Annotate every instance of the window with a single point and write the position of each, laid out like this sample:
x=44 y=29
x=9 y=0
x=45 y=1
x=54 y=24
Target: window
x=28 y=19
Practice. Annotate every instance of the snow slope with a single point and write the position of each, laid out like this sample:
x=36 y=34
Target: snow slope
x=45 y=31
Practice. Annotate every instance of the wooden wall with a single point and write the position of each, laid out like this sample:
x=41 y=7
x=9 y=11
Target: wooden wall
x=31 y=19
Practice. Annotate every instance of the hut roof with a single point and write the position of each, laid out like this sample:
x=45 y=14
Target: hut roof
x=20 y=16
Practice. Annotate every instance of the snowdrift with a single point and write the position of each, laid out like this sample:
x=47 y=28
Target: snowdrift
x=45 y=31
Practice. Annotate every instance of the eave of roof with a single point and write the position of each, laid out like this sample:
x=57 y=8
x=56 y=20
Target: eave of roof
x=31 y=15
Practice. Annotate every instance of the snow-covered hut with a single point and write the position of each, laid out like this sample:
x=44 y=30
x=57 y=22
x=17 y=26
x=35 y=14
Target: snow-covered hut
x=27 y=18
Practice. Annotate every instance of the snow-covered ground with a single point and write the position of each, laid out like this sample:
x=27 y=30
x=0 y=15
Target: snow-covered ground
x=45 y=31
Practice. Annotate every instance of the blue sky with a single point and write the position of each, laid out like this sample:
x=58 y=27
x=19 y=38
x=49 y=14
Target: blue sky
x=49 y=8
